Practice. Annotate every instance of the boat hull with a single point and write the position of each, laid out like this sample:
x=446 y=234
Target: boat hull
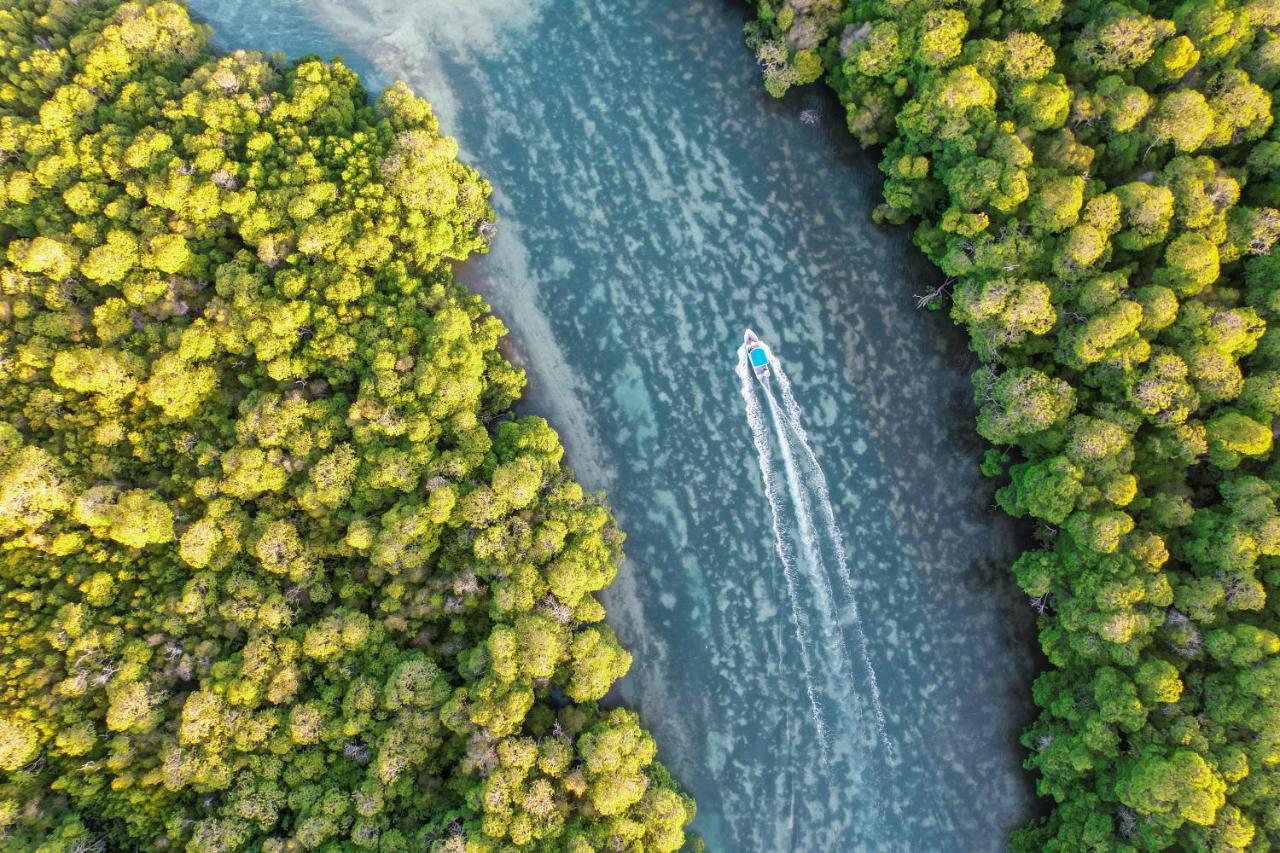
x=757 y=355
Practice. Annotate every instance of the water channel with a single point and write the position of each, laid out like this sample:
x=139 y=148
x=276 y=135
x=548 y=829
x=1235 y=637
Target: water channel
x=653 y=202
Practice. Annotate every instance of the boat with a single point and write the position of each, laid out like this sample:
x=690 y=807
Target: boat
x=757 y=354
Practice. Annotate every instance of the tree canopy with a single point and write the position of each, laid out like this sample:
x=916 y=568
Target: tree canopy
x=279 y=569
x=1097 y=182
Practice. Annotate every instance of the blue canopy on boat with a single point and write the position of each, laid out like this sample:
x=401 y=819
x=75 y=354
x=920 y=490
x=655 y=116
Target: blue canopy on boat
x=759 y=358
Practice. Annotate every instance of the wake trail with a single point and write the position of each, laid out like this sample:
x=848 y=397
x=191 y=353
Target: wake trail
x=760 y=438
x=819 y=481
x=805 y=521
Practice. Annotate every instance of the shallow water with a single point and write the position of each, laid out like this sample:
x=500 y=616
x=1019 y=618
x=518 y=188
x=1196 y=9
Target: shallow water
x=653 y=203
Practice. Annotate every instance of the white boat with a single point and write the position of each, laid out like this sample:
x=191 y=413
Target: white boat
x=757 y=354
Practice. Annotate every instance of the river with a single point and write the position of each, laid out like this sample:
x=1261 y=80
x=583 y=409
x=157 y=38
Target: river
x=653 y=202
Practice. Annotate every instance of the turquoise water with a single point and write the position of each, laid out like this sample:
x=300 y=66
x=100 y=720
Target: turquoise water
x=654 y=202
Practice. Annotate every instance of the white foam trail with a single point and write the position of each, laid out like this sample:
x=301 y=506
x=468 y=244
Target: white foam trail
x=808 y=532
x=760 y=438
x=819 y=481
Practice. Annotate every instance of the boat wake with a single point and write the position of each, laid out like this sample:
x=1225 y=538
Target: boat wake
x=816 y=535
x=781 y=543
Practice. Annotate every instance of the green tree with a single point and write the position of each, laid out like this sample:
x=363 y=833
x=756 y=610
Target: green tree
x=1098 y=183
x=279 y=568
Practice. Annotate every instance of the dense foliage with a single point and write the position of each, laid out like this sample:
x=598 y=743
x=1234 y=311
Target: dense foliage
x=1098 y=183
x=279 y=570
